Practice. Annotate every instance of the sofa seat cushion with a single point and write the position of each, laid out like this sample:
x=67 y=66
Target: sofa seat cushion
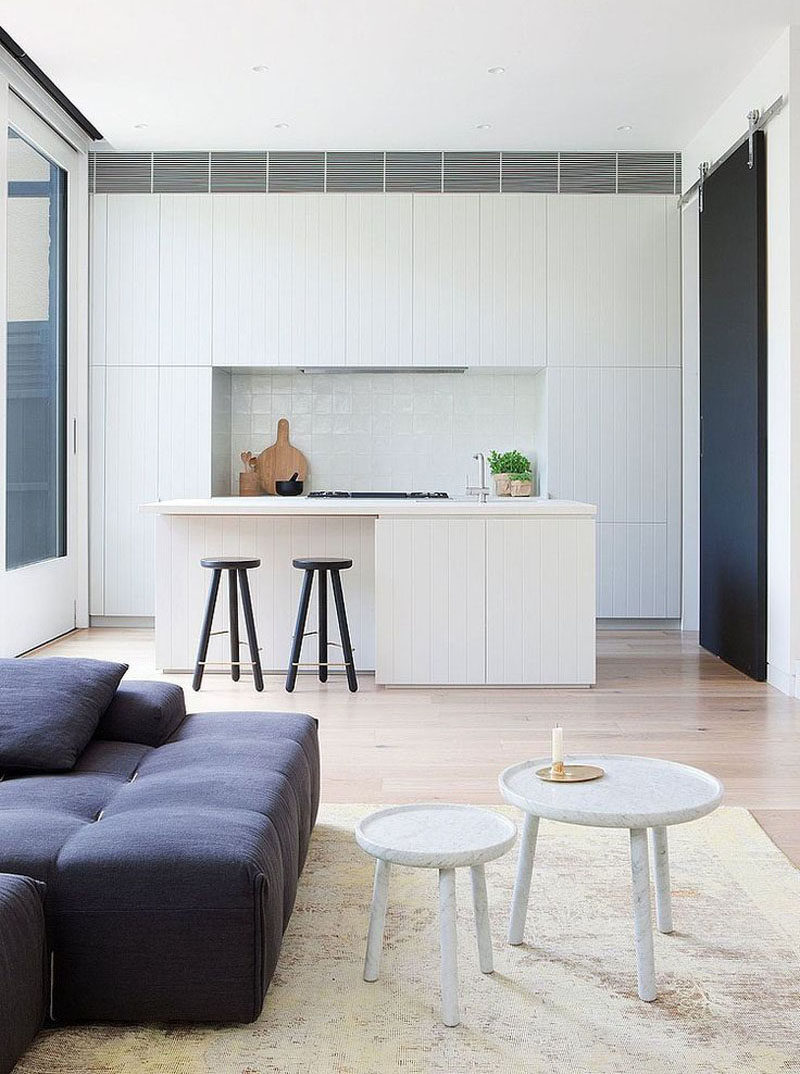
x=23 y=958
x=156 y=853
x=49 y=709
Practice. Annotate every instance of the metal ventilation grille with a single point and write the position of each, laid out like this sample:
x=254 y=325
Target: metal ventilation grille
x=645 y=173
x=123 y=173
x=472 y=172
x=238 y=173
x=294 y=172
x=588 y=173
x=530 y=173
x=354 y=172
x=180 y=173
x=420 y=172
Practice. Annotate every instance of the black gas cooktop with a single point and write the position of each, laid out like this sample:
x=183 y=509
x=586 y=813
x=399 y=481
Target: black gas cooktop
x=380 y=495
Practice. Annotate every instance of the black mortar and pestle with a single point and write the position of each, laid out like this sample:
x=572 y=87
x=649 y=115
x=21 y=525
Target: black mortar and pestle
x=292 y=487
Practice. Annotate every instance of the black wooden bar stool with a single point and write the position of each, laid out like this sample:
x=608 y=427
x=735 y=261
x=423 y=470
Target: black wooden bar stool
x=323 y=567
x=235 y=567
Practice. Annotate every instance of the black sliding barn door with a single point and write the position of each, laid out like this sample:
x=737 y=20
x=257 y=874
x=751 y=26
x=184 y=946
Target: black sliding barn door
x=733 y=413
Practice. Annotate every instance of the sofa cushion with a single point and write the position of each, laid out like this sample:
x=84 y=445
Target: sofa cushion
x=147 y=712
x=49 y=709
x=23 y=957
x=172 y=871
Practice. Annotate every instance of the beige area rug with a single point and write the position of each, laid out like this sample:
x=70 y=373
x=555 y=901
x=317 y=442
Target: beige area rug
x=729 y=977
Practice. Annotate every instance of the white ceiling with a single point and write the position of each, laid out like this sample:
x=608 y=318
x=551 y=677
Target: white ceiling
x=396 y=74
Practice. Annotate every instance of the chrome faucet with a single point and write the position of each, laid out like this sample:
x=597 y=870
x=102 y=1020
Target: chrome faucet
x=481 y=490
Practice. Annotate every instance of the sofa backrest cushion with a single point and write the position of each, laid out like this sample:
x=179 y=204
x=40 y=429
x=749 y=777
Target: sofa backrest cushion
x=146 y=712
x=49 y=709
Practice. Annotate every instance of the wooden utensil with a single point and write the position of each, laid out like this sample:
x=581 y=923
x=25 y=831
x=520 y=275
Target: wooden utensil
x=249 y=484
x=279 y=462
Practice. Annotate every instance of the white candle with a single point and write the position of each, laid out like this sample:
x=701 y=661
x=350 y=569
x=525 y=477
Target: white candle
x=558 y=745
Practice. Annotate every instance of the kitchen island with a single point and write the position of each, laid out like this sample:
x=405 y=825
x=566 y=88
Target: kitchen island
x=441 y=592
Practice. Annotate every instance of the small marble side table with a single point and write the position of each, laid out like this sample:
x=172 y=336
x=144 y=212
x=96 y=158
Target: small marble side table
x=443 y=837
x=635 y=793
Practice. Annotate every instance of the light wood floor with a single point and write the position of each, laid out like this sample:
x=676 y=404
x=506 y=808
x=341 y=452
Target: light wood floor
x=657 y=693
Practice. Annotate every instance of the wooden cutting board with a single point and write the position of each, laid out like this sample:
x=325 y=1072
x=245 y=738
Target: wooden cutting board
x=279 y=462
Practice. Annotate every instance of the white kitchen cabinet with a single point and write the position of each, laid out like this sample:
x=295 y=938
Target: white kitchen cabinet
x=513 y=280
x=185 y=430
x=446 y=292
x=131 y=317
x=98 y=277
x=244 y=280
x=97 y=489
x=311 y=237
x=613 y=280
x=130 y=478
x=185 y=280
x=540 y=600
x=378 y=279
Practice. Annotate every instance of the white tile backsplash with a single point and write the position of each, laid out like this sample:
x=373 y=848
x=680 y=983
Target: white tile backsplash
x=390 y=431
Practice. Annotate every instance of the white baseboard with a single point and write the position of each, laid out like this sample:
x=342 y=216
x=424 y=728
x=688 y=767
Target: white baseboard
x=783 y=680
x=122 y=622
x=638 y=624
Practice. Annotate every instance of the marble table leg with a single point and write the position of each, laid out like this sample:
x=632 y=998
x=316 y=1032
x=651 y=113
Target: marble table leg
x=480 y=901
x=377 y=917
x=642 y=924
x=448 y=974
x=660 y=851
x=522 y=883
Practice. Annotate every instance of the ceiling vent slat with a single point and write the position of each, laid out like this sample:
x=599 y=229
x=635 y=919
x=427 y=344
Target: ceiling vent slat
x=472 y=172
x=180 y=173
x=354 y=172
x=415 y=172
x=530 y=173
x=123 y=173
x=678 y=176
x=588 y=173
x=646 y=173
x=239 y=173
x=296 y=172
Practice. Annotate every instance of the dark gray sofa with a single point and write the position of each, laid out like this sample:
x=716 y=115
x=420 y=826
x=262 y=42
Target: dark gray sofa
x=23 y=961
x=171 y=853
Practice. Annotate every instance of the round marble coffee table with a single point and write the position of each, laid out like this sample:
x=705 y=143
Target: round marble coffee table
x=443 y=837
x=635 y=793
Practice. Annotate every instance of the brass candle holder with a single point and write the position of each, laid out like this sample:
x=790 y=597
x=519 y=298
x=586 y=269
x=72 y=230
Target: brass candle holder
x=558 y=772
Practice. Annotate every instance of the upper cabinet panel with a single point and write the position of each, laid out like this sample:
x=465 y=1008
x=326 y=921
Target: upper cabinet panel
x=131 y=291
x=311 y=278
x=613 y=281
x=185 y=280
x=245 y=280
x=446 y=293
x=98 y=277
x=513 y=280
x=378 y=274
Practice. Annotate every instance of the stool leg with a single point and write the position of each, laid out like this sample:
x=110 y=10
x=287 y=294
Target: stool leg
x=322 y=625
x=642 y=921
x=205 y=632
x=377 y=919
x=341 y=614
x=480 y=902
x=233 y=606
x=250 y=625
x=448 y=973
x=299 y=630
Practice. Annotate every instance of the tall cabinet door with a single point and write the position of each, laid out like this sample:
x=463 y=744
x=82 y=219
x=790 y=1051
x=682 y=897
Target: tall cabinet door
x=430 y=601
x=733 y=413
x=378 y=279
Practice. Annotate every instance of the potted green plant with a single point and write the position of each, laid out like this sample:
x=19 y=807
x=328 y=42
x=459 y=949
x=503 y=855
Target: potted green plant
x=508 y=466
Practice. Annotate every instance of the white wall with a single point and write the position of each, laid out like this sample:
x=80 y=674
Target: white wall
x=777 y=73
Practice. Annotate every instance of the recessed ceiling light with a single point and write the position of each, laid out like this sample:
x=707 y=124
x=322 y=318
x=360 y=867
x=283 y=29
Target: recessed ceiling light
x=139 y=126
x=260 y=68
x=483 y=127
x=281 y=126
x=624 y=128
x=497 y=70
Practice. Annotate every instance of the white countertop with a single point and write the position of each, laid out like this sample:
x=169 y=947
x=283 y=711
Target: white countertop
x=301 y=505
